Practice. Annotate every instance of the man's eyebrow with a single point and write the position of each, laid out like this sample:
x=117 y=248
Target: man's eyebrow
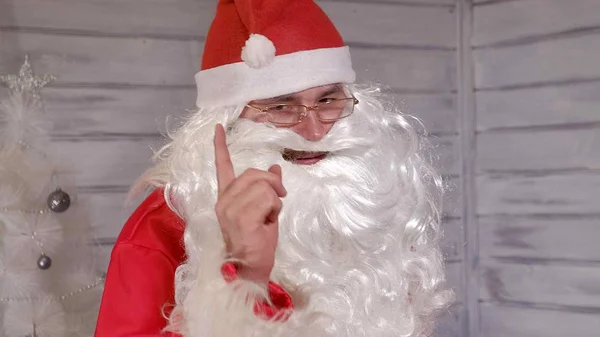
x=334 y=89
x=292 y=97
x=282 y=98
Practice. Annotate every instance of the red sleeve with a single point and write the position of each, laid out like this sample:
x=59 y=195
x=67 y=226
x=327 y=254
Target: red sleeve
x=281 y=302
x=140 y=281
x=138 y=285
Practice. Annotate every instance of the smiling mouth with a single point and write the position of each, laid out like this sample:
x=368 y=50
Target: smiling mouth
x=303 y=157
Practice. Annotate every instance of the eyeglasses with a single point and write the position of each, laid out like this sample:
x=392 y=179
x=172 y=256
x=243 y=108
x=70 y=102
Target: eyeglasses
x=327 y=109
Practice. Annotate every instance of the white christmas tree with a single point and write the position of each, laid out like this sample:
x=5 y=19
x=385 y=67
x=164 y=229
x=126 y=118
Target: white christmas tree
x=49 y=286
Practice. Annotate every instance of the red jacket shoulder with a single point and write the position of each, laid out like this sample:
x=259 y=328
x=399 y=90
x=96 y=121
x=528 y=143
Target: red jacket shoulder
x=155 y=226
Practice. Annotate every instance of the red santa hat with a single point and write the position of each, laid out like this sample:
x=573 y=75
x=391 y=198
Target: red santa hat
x=257 y=49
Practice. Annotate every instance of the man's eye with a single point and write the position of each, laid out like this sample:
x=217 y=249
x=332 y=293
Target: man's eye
x=278 y=108
x=326 y=100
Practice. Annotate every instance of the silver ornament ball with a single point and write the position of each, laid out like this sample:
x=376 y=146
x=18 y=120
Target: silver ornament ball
x=44 y=262
x=59 y=201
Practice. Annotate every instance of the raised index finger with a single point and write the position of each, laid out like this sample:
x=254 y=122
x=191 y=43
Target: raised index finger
x=225 y=174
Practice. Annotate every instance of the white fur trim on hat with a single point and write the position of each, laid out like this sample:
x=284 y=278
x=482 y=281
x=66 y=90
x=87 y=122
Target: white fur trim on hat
x=258 y=52
x=238 y=83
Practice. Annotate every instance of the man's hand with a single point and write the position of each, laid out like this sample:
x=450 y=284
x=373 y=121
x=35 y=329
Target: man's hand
x=248 y=212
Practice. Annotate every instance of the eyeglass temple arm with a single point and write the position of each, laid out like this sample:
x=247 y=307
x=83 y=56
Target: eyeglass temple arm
x=255 y=108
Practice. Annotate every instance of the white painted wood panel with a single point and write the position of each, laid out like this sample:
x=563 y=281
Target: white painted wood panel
x=453 y=240
x=92 y=60
x=466 y=120
x=437 y=112
x=537 y=193
x=410 y=70
x=181 y=19
x=446 y=154
x=567 y=104
x=97 y=111
x=539 y=150
x=452 y=197
x=417 y=2
x=556 y=238
x=451 y=322
x=144 y=61
x=511 y=20
x=103 y=257
x=89 y=111
x=128 y=17
x=536 y=81
x=566 y=285
x=507 y=321
x=391 y=24
x=449 y=325
x=110 y=211
x=454 y=278
x=119 y=161
x=117 y=44
x=566 y=59
x=102 y=161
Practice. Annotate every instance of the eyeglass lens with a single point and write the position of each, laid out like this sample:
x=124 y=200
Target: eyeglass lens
x=327 y=111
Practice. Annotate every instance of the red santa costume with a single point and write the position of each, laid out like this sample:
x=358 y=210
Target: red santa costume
x=358 y=247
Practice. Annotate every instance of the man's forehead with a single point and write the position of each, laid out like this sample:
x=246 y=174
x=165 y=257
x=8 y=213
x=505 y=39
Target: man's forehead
x=320 y=90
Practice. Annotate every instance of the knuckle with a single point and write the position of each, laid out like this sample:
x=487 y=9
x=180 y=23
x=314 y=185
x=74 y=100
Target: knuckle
x=251 y=171
x=237 y=218
x=273 y=198
x=219 y=208
x=224 y=213
x=231 y=215
x=265 y=187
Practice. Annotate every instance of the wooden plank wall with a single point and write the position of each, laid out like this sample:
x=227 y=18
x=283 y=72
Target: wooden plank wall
x=537 y=85
x=122 y=67
x=119 y=75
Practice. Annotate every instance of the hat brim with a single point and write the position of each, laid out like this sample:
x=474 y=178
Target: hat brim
x=237 y=83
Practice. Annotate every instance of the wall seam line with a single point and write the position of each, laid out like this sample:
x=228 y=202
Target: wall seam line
x=467 y=153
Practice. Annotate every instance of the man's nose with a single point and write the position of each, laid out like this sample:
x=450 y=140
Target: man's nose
x=311 y=128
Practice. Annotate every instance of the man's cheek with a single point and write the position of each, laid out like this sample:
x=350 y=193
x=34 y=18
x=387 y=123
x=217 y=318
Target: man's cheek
x=256 y=117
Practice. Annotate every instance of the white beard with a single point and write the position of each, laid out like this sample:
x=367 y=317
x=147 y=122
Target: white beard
x=359 y=230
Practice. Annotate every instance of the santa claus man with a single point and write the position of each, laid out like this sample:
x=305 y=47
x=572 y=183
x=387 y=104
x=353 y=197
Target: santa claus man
x=291 y=203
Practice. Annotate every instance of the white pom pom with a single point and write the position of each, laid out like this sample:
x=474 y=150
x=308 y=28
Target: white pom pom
x=258 y=52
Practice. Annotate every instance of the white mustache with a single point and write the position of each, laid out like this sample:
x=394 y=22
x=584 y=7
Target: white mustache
x=247 y=134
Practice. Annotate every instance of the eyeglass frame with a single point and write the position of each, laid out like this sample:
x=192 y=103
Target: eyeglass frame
x=315 y=107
